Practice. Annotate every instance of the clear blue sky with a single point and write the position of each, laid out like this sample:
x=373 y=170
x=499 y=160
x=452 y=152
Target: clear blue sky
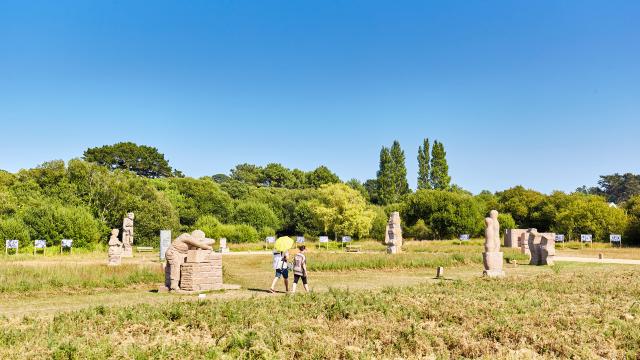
x=540 y=93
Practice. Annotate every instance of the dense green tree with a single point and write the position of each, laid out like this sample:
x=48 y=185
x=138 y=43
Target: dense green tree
x=248 y=174
x=14 y=228
x=196 y=197
x=439 y=177
x=321 y=176
x=399 y=170
x=618 y=188
x=589 y=214
x=143 y=160
x=445 y=213
x=525 y=206
x=357 y=185
x=256 y=214
x=424 y=166
x=386 y=186
x=371 y=186
x=632 y=233
x=276 y=175
x=342 y=211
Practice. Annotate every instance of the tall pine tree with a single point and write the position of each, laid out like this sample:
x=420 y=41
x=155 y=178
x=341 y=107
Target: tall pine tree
x=424 y=166
x=386 y=185
x=440 y=179
x=399 y=171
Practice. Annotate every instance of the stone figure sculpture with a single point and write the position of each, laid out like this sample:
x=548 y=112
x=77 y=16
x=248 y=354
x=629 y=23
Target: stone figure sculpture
x=177 y=254
x=127 y=235
x=115 y=248
x=393 y=235
x=492 y=257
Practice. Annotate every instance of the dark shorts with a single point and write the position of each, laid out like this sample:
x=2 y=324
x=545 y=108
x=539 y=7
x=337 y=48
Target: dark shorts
x=282 y=273
x=297 y=277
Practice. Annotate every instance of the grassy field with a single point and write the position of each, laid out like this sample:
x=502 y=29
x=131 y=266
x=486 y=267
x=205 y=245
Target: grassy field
x=363 y=305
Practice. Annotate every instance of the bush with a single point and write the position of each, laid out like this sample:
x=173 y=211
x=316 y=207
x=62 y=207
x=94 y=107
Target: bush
x=14 y=229
x=420 y=231
x=256 y=214
x=241 y=233
x=506 y=222
x=447 y=214
x=210 y=225
x=590 y=214
x=379 y=225
x=54 y=222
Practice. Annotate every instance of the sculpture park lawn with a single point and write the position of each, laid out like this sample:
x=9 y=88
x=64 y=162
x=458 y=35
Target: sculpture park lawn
x=361 y=307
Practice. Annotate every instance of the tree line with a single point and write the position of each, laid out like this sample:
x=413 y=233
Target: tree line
x=83 y=198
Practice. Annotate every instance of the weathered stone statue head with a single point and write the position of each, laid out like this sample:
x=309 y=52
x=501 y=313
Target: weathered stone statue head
x=198 y=234
x=115 y=232
x=131 y=215
x=493 y=214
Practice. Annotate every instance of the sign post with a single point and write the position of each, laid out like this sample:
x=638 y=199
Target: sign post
x=38 y=245
x=10 y=244
x=66 y=243
x=465 y=237
x=165 y=242
x=345 y=239
x=615 y=238
x=586 y=238
x=299 y=239
x=269 y=240
x=325 y=240
x=560 y=238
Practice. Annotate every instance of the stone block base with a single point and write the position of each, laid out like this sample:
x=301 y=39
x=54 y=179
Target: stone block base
x=493 y=273
x=393 y=249
x=201 y=276
x=202 y=256
x=493 y=262
x=127 y=252
x=115 y=261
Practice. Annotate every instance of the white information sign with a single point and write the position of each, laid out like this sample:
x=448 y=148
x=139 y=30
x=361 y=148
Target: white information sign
x=270 y=239
x=66 y=243
x=346 y=239
x=40 y=244
x=11 y=244
x=560 y=238
x=300 y=239
x=464 y=237
x=223 y=243
x=324 y=239
x=586 y=238
x=615 y=238
x=165 y=242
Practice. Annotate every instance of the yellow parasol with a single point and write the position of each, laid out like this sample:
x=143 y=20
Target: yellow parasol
x=283 y=243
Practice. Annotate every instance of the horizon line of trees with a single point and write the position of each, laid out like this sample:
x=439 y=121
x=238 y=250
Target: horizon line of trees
x=83 y=199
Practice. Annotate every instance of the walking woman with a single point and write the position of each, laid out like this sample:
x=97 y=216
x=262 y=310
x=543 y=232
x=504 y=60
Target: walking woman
x=300 y=269
x=281 y=266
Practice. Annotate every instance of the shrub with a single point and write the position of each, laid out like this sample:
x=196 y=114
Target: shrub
x=256 y=214
x=53 y=222
x=210 y=225
x=420 y=231
x=14 y=229
x=241 y=233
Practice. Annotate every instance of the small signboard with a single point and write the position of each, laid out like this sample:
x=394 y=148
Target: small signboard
x=346 y=239
x=615 y=238
x=270 y=239
x=223 y=243
x=586 y=238
x=465 y=237
x=10 y=244
x=300 y=239
x=165 y=242
x=560 y=238
x=40 y=244
x=66 y=243
x=324 y=239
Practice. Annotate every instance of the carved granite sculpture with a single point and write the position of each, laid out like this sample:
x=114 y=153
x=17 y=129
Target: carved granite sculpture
x=542 y=247
x=393 y=235
x=192 y=265
x=127 y=235
x=492 y=257
x=115 y=248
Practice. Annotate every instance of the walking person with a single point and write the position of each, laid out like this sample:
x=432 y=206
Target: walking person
x=300 y=269
x=281 y=266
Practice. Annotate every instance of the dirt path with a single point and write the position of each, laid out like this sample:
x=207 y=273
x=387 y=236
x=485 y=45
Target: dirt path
x=596 y=260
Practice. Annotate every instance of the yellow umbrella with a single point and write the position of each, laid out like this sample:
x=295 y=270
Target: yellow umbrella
x=283 y=243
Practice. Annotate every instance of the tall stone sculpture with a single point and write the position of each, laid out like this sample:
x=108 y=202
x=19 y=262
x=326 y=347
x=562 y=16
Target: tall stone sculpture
x=181 y=252
x=393 y=235
x=492 y=257
x=127 y=235
x=115 y=248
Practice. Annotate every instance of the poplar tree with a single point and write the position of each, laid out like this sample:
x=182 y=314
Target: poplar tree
x=424 y=166
x=386 y=185
x=439 y=177
x=399 y=171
